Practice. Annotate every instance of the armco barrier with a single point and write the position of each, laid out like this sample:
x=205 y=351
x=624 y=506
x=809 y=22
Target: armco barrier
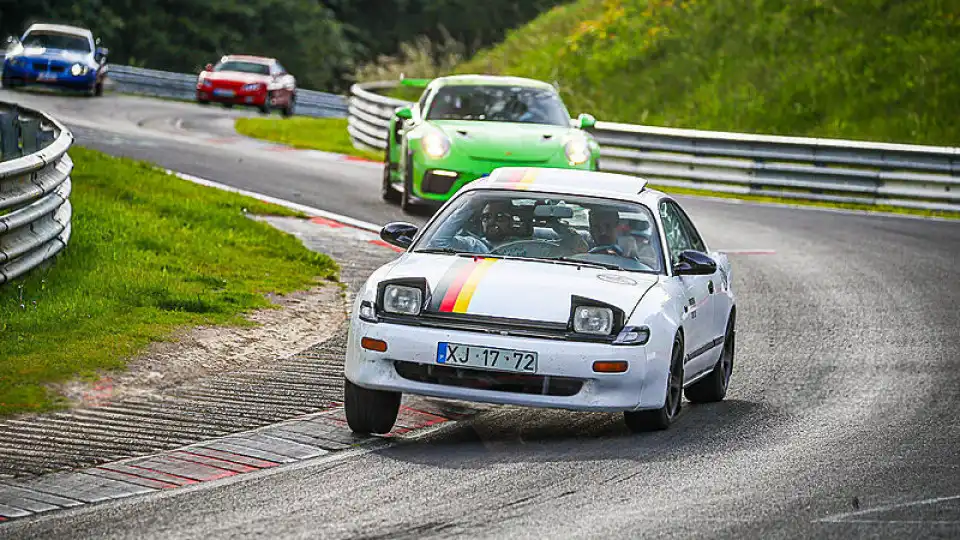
x=35 y=188
x=168 y=84
x=898 y=175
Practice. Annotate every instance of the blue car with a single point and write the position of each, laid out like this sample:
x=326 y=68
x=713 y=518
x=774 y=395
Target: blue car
x=56 y=55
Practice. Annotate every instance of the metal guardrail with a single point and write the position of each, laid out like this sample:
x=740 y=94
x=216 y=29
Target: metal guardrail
x=35 y=210
x=168 y=84
x=833 y=170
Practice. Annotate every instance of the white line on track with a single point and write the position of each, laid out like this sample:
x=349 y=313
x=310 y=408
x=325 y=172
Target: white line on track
x=842 y=518
x=315 y=212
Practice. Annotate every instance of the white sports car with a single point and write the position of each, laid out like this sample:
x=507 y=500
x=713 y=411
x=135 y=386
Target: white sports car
x=551 y=288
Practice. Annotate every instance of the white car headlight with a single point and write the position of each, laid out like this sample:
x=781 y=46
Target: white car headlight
x=435 y=144
x=77 y=69
x=593 y=320
x=577 y=150
x=402 y=300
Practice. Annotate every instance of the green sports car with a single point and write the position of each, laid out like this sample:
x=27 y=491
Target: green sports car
x=465 y=126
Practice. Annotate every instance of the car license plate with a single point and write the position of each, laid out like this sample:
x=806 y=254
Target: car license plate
x=46 y=76
x=458 y=354
x=224 y=93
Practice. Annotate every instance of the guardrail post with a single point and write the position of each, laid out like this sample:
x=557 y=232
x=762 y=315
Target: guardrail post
x=9 y=137
x=30 y=134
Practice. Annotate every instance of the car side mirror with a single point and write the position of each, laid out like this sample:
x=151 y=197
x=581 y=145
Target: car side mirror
x=404 y=113
x=694 y=263
x=586 y=121
x=208 y=67
x=398 y=234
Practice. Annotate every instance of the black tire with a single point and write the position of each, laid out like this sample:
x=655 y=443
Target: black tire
x=288 y=110
x=203 y=101
x=713 y=387
x=228 y=105
x=98 y=89
x=387 y=191
x=370 y=411
x=265 y=108
x=406 y=198
x=662 y=418
x=7 y=82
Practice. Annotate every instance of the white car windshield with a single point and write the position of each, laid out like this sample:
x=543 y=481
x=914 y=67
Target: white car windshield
x=51 y=40
x=490 y=103
x=243 y=67
x=603 y=232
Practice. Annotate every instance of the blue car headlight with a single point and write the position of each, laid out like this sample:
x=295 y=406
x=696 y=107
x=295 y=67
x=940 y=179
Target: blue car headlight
x=251 y=87
x=78 y=70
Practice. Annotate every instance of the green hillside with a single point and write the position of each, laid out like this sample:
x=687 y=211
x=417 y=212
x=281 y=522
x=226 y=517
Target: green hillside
x=886 y=70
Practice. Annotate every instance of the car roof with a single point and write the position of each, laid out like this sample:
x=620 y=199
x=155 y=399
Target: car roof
x=248 y=58
x=492 y=80
x=60 y=28
x=568 y=182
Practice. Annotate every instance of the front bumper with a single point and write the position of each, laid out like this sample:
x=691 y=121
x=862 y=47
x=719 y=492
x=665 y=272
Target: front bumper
x=64 y=79
x=239 y=96
x=412 y=353
x=439 y=179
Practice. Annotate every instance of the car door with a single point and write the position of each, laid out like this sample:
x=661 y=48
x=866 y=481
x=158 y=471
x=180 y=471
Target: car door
x=698 y=319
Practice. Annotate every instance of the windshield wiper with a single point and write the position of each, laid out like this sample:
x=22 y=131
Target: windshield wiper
x=440 y=250
x=610 y=266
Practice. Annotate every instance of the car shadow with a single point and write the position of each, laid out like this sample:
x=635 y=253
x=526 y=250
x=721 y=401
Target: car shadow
x=516 y=435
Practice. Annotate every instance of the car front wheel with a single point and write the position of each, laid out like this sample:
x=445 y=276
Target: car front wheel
x=662 y=418
x=370 y=411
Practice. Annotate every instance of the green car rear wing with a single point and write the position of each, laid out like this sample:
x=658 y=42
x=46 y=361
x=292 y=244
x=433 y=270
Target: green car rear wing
x=417 y=83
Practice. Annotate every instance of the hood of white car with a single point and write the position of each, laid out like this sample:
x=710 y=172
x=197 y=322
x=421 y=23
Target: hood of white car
x=529 y=290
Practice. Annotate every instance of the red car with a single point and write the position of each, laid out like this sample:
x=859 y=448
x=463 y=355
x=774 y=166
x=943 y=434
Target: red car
x=248 y=80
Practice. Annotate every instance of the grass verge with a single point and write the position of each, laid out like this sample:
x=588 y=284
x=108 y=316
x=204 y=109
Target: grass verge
x=325 y=134
x=801 y=202
x=149 y=254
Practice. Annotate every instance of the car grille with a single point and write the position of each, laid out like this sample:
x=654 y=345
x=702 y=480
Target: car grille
x=435 y=183
x=488 y=380
x=47 y=66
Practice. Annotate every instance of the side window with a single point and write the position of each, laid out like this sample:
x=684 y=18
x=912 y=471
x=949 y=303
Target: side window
x=674 y=231
x=423 y=100
x=696 y=242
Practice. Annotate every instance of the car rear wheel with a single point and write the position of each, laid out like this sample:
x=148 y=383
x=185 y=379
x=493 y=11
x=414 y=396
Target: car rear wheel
x=7 y=81
x=370 y=411
x=713 y=387
x=662 y=418
x=98 y=89
x=406 y=198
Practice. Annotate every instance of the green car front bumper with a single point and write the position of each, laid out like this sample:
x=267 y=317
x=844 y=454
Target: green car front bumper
x=439 y=179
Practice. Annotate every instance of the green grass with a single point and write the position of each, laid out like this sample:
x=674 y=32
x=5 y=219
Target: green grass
x=149 y=254
x=326 y=134
x=801 y=202
x=881 y=70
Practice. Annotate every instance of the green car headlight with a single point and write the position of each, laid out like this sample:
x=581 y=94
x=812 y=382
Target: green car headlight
x=435 y=144
x=577 y=150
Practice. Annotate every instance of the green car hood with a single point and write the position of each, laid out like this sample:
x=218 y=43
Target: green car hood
x=503 y=141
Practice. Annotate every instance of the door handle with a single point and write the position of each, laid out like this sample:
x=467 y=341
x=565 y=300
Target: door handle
x=710 y=286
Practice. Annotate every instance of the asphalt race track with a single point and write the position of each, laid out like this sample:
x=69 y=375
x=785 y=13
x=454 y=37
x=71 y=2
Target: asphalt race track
x=842 y=419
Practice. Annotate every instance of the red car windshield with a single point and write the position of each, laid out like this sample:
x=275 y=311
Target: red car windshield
x=488 y=103
x=243 y=67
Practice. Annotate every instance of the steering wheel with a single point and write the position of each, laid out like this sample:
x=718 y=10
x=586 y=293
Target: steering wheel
x=611 y=249
x=528 y=248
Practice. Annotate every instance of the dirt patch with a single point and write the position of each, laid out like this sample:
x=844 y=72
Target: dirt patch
x=304 y=319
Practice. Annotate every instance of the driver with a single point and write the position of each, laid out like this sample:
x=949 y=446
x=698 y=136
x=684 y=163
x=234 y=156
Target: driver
x=497 y=226
x=603 y=229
